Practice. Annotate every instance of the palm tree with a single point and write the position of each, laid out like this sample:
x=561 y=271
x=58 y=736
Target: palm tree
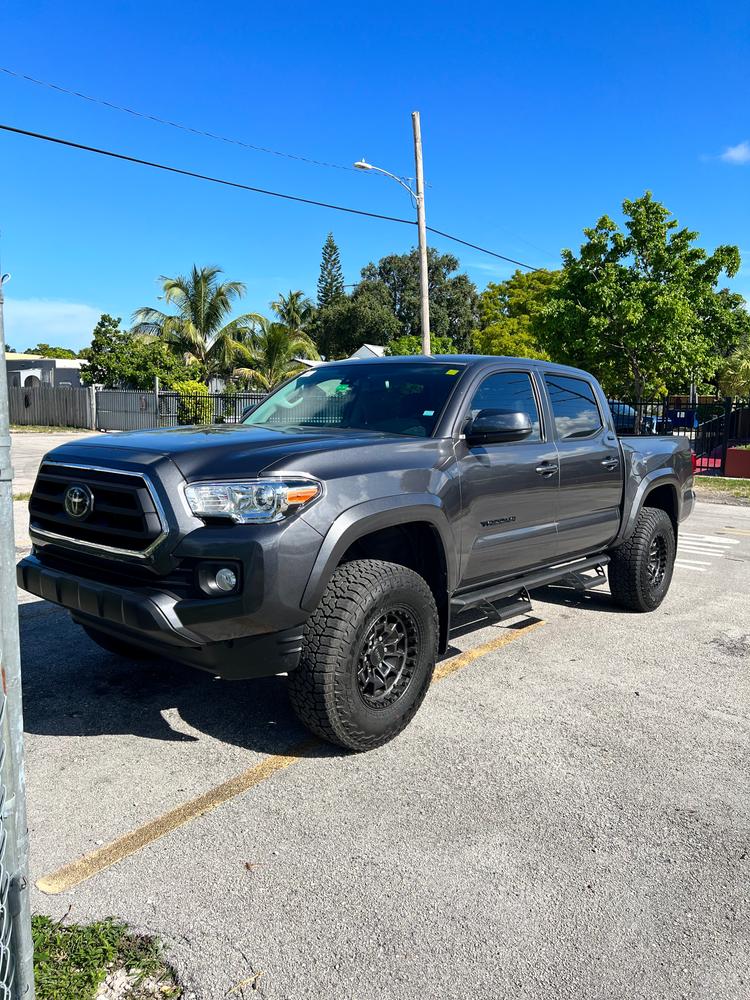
x=294 y=310
x=270 y=353
x=199 y=330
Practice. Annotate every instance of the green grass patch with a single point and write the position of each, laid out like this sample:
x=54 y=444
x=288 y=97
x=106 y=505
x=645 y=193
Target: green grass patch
x=721 y=488
x=71 y=961
x=21 y=496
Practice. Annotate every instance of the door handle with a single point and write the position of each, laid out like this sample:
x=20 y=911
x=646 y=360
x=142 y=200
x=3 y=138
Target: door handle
x=610 y=463
x=546 y=468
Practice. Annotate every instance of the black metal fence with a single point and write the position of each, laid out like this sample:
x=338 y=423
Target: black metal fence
x=125 y=409
x=712 y=426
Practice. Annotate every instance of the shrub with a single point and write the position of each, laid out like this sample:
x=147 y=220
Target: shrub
x=194 y=406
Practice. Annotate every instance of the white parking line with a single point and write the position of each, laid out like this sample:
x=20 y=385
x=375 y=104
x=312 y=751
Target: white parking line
x=711 y=539
x=691 y=546
x=699 y=551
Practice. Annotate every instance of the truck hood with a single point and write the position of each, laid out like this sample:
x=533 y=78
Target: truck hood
x=221 y=450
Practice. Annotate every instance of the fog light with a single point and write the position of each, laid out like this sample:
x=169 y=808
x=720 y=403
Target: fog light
x=226 y=579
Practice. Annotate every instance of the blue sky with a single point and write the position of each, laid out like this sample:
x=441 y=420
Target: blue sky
x=537 y=119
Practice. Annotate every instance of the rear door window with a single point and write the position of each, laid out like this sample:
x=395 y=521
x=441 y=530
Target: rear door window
x=574 y=406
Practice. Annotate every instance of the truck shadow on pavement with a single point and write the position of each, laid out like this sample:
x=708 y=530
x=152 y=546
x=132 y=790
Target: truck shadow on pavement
x=72 y=687
x=590 y=600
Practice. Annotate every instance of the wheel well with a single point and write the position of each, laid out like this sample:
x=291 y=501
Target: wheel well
x=664 y=498
x=417 y=546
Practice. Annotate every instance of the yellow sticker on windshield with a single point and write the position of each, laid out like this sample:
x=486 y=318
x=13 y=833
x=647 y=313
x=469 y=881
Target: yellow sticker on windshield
x=452 y=371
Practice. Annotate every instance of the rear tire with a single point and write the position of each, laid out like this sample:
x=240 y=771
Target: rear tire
x=640 y=570
x=117 y=646
x=368 y=655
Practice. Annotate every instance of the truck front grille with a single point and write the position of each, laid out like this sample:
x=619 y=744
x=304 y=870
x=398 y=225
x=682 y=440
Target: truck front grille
x=119 y=510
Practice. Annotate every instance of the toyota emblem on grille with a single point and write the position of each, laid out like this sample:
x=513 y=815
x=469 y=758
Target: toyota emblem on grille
x=79 y=501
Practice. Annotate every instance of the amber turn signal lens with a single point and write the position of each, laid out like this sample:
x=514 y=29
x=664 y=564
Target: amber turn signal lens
x=301 y=494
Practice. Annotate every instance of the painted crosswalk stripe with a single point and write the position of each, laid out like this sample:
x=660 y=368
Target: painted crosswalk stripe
x=710 y=539
x=695 y=552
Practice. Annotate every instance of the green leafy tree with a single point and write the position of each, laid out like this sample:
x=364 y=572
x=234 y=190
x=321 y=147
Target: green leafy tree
x=294 y=311
x=200 y=330
x=733 y=376
x=269 y=354
x=365 y=317
x=45 y=351
x=508 y=311
x=331 y=279
x=726 y=320
x=413 y=345
x=454 y=301
x=120 y=360
x=630 y=307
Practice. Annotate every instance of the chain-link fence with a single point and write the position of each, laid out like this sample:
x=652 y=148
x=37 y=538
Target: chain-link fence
x=16 y=948
x=6 y=923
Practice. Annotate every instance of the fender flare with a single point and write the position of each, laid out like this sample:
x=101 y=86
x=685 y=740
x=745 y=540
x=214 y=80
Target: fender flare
x=372 y=515
x=654 y=479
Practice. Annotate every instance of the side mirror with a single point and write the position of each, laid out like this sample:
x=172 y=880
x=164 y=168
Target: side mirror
x=495 y=426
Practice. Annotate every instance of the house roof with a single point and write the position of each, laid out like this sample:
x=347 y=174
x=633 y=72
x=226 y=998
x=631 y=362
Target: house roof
x=58 y=362
x=369 y=351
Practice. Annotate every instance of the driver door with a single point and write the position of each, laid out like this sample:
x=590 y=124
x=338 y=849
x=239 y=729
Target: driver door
x=509 y=490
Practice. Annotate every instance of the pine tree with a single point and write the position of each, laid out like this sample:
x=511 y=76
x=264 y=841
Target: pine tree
x=331 y=280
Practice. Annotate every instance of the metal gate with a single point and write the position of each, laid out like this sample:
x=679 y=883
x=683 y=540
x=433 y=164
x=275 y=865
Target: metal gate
x=719 y=432
x=50 y=406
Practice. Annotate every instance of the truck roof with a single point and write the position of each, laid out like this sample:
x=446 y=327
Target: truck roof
x=473 y=360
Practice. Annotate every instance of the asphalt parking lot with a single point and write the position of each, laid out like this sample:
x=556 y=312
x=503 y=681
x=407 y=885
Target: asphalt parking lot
x=27 y=450
x=566 y=817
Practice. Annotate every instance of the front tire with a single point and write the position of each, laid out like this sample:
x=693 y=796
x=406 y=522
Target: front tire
x=368 y=655
x=640 y=570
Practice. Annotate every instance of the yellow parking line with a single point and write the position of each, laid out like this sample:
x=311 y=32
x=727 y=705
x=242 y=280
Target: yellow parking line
x=71 y=875
x=104 y=857
x=450 y=666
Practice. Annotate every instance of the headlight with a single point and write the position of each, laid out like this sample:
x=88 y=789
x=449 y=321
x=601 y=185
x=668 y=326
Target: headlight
x=252 y=501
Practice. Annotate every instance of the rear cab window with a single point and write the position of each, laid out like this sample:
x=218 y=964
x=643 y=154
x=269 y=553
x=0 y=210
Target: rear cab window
x=574 y=407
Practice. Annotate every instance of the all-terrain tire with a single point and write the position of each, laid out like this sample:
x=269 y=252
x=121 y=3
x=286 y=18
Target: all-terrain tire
x=117 y=646
x=640 y=570
x=372 y=617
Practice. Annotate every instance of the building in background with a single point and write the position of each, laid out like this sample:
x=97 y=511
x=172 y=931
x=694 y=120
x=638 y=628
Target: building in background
x=30 y=370
x=368 y=351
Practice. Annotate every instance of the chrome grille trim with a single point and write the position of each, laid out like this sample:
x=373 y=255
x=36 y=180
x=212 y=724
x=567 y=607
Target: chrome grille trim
x=76 y=543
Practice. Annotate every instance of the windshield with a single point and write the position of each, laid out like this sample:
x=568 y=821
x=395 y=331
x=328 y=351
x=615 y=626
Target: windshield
x=395 y=398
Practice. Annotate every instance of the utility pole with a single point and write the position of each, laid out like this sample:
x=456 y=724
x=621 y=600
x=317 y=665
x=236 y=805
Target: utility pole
x=424 y=284
x=418 y=197
x=18 y=966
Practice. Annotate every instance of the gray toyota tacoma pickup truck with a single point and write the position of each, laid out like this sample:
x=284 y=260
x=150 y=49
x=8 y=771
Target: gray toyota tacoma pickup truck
x=336 y=531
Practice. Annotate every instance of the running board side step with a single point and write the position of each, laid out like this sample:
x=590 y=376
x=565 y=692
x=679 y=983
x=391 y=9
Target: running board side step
x=569 y=573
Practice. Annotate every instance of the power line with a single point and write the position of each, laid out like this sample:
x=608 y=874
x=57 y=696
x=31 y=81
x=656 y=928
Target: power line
x=256 y=190
x=165 y=121
x=475 y=246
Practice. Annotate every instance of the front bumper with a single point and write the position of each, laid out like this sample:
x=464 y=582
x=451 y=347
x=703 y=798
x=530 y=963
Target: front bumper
x=153 y=619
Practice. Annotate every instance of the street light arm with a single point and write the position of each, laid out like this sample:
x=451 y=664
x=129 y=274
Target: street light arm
x=362 y=165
